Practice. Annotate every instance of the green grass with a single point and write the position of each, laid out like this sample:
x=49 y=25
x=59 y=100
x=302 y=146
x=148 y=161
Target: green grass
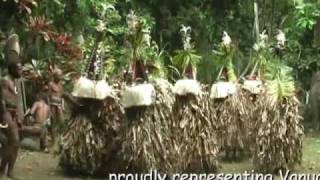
x=310 y=159
x=311 y=155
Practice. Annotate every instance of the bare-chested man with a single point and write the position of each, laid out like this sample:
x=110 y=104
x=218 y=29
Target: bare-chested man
x=40 y=111
x=56 y=102
x=10 y=101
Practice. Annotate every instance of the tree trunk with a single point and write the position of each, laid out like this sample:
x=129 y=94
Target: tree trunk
x=256 y=19
x=316 y=34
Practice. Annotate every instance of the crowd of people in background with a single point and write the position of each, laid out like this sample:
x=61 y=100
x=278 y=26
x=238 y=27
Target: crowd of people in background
x=42 y=120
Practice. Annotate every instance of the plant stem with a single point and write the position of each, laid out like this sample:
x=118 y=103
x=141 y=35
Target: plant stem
x=38 y=46
x=256 y=18
x=220 y=72
x=247 y=67
x=254 y=68
x=272 y=17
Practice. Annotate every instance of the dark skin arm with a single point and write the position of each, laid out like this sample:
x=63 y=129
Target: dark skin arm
x=32 y=130
x=3 y=108
x=32 y=110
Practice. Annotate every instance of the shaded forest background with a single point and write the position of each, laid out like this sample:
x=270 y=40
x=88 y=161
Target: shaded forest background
x=64 y=31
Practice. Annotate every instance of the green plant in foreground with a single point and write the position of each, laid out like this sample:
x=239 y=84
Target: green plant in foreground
x=186 y=59
x=155 y=63
x=225 y=55
x=279 y=81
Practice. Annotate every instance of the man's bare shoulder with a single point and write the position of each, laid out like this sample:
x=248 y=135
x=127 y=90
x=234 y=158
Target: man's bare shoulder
x=4 y=81
x=36 y=104
x=41 y=104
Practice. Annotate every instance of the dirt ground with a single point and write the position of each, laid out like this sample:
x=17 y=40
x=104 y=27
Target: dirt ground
x=38 y=165
x=42 y=166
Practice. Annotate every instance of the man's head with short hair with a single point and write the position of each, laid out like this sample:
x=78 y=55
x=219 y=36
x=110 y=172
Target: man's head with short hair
x=15 y=69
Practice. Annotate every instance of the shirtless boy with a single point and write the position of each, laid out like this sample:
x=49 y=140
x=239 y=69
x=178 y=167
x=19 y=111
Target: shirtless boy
x=40 y=112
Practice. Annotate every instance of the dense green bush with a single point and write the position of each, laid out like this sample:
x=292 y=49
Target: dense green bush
x=76 y=21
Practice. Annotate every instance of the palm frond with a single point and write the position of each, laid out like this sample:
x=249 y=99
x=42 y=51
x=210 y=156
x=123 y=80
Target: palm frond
x=184 y=58
x=279 y=81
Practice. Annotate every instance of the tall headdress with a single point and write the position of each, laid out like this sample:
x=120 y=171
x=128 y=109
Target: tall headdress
x=12 y=50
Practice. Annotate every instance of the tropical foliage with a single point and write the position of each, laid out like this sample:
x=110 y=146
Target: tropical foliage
x=277 y=43
x=186 y=59
x=47 y=37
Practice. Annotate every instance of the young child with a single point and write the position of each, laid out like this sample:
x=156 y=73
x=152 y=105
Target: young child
x=40 y=112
